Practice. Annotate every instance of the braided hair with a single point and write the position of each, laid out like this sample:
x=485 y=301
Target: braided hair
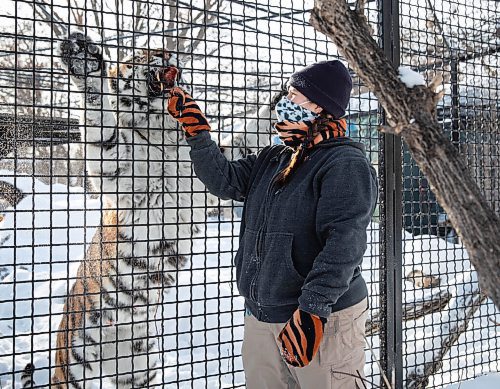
x=299 y=154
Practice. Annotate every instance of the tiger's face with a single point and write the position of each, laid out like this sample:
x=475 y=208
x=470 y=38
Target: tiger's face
x=139 y=88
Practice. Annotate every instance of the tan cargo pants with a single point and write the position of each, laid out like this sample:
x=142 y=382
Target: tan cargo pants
x=341 y=354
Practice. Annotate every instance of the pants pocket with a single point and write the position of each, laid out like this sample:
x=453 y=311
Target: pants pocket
x=335 y=347
x=343 y=339
x=359 y=329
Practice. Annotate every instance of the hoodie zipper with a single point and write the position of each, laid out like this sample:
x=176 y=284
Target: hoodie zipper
x=263 y=229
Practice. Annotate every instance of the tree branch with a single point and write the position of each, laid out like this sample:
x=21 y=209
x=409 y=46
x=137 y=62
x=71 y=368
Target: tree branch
x=453 y=323
x=57 y=23
x=411 y=114
x=414 y=309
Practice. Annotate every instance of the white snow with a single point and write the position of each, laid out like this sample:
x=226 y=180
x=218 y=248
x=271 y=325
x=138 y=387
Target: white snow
x=487 y=381
x=409 y=77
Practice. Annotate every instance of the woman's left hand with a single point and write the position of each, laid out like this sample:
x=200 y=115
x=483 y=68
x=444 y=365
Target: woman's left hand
x=301 y=337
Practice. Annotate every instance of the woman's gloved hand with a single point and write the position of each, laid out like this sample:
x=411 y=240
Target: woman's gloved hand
x=182 y=107
x=301 y=337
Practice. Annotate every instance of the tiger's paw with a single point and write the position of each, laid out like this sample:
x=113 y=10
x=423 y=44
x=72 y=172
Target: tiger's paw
x=80 y=55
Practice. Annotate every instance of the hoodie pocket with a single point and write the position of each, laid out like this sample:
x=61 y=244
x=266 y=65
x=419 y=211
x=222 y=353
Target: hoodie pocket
x=246 y=262
x=279 y=283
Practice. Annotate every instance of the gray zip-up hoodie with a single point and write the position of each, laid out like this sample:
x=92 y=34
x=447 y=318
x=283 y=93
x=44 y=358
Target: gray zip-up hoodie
x=301 y=245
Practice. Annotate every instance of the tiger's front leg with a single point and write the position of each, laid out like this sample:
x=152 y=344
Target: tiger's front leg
x=105 y=149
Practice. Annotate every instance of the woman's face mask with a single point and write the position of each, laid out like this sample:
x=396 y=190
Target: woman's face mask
x=293 y=112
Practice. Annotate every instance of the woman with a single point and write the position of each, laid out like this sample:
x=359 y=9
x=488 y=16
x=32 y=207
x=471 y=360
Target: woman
x=307 y=205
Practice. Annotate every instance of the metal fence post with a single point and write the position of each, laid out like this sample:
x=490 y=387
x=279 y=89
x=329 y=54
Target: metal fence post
x=391 y=222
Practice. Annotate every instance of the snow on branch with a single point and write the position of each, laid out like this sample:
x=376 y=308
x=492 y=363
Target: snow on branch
x=409 y=77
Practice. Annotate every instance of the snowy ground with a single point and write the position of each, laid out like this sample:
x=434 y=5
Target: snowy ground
x=488 y=381
x=41 y=250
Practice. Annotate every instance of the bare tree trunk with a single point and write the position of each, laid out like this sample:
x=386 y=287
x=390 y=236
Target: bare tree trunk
x=411 y=114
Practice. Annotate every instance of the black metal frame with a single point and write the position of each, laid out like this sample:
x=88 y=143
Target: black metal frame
x=391 y=222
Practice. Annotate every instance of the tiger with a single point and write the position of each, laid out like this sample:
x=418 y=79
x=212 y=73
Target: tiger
x=138 y=159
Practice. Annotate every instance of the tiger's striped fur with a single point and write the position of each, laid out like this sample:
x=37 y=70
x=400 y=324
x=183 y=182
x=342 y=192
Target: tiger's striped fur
x=138 y=160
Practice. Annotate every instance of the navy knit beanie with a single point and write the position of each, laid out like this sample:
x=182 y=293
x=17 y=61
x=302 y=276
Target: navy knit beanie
x=327 y=84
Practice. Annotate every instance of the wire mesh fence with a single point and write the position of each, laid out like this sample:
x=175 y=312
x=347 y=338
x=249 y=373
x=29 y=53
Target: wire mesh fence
x=115 y=258
x=459 y=42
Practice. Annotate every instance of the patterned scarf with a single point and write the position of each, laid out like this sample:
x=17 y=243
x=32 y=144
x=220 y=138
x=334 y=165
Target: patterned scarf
x=301 y=136
x=294 y=134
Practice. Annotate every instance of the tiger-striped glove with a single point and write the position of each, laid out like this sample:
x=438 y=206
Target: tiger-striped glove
x=182 y=107
x=301 y=337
